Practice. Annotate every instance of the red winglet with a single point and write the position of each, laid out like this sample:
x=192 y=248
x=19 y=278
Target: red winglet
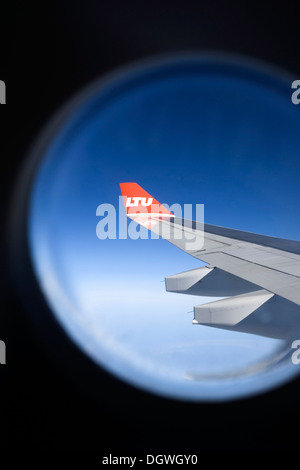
x=140 y=206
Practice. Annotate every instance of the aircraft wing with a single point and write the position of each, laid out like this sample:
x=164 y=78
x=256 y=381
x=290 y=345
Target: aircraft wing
x=261 y=274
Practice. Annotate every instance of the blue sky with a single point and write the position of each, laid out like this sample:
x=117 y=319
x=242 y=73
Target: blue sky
x=195 y=132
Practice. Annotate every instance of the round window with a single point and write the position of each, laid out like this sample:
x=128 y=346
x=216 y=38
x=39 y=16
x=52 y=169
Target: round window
x=218 y=132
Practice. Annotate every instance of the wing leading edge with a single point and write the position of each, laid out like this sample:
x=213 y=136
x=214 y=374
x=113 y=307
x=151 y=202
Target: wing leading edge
x=260 y=273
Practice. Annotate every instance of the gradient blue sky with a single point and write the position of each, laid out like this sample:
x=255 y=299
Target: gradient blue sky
x=198 y=131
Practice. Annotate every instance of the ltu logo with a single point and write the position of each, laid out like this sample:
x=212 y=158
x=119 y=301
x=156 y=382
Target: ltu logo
x=2 y=92
x=296 y=94
x=135 y=201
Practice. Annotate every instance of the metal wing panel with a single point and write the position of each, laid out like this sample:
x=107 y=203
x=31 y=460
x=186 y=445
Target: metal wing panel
x=278 y=282
x=291 y=246
x=267 y=267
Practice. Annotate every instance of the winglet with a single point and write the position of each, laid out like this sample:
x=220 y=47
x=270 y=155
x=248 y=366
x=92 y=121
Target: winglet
x=142 y=207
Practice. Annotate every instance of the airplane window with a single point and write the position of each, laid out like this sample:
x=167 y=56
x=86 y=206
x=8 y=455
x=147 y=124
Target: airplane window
x=206 y=130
